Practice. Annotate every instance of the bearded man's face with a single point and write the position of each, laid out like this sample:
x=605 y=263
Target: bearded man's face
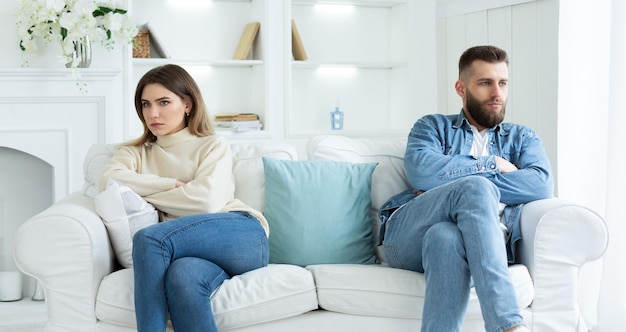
x=488 y=113
x=484 y=89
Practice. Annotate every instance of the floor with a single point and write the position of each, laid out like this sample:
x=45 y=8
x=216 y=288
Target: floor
x=22 y=316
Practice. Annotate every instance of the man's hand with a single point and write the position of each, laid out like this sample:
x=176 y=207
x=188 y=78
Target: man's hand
x=505 y=166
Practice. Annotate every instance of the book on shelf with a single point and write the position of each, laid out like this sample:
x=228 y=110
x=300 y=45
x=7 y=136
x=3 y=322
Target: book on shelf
x=247 y=40
x=238 y=122
x=239 y=126
x=297 y=48
x=154 y=44
x=236 y=117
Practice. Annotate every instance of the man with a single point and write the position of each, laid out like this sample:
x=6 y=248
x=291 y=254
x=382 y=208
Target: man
x=470 y=174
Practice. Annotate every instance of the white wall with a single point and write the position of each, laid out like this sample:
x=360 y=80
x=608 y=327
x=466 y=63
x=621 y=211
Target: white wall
x=592 y=81
x=613 y=293
x=583 y=94
x=583 y=90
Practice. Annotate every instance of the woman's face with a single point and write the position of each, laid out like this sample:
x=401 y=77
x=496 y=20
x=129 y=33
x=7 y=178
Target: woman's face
x=163 y=111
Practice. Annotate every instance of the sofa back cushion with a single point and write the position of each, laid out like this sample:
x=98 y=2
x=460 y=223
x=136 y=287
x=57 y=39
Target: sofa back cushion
x=247 y=168
x=93 y=165
x=249 y=172
x=389 y=177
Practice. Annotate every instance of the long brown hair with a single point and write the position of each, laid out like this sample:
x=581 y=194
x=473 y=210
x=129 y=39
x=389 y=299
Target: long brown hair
x=177 y=80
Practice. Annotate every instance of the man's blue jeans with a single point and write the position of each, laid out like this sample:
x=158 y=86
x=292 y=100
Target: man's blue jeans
x=452 y=234
x=178 y=264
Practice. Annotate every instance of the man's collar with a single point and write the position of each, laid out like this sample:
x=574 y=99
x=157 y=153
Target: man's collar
x=461 y=118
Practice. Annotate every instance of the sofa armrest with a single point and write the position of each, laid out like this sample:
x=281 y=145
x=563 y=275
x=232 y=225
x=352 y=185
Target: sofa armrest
x=66 y=247
x=560 y=241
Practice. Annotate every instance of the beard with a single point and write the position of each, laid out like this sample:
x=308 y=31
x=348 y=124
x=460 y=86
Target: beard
x=483 y=116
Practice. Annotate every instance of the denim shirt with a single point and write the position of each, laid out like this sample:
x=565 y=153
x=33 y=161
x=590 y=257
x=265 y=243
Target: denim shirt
x=438 y=152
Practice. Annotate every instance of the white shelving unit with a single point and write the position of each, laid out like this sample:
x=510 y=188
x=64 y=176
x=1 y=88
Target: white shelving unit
x=360 y=52
x=369 y=3
x=357 y=58
x=361 y=65
x=208 y=63
x=203 y=37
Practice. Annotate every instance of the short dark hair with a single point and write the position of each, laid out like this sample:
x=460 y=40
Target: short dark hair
x=487 y=53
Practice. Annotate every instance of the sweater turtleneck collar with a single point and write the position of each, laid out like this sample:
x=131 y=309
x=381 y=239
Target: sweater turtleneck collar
x=167 y=141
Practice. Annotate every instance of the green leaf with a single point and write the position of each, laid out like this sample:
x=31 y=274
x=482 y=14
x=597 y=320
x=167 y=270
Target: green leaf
x=101 y=11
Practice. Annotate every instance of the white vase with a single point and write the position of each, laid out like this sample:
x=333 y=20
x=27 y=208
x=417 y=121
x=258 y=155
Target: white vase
x=82 y=53
x=10 y=286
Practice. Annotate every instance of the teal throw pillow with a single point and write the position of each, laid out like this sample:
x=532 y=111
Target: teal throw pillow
x=319 y=211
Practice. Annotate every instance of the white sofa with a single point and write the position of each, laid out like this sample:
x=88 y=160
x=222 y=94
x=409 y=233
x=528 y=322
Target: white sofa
x=67 y=249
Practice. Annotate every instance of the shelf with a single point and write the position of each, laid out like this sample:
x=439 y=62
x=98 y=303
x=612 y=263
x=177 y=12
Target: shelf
x=397 y=134
x=360 y=65
x=257 y=134
x=86 y=74
x=362 y=3
x=359 y=56
x=209 y=63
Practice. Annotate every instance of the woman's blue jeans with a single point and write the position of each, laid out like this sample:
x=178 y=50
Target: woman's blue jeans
x=452 y=234
x=178 y=264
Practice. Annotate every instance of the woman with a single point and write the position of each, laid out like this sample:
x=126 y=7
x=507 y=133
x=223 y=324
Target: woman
x=185 y=171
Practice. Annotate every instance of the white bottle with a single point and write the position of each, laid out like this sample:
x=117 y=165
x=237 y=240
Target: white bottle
x=336 y=118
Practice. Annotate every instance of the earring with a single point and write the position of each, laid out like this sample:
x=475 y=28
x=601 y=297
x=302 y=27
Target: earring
x=187 y=114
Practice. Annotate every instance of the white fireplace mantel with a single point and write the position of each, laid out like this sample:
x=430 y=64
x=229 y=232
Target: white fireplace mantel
x=46 y=115
x=61 y=74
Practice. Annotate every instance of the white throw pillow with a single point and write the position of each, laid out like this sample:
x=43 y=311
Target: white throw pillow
x=124 y=213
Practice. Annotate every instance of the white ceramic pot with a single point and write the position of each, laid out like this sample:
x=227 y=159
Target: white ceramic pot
x=10 y=286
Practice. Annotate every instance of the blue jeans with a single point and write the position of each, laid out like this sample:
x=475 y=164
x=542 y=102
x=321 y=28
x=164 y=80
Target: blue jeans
x=178 y=264
x=452 y=234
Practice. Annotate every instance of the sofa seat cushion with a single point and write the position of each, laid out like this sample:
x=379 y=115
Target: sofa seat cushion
x=377 y=290
x=267 y=294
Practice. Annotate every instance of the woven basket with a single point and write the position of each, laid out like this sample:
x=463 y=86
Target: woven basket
x=141 y=44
